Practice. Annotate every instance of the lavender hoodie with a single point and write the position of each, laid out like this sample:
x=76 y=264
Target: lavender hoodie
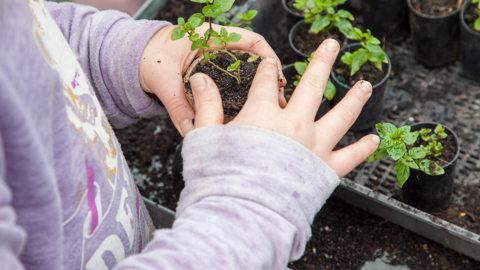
x=67 y=198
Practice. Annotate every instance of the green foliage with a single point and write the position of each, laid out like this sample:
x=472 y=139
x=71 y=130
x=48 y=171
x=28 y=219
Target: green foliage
x=370 y=51
x=301 y=66
x=476 y=24
x=213 y=10
x=322 y=15
x=398 y=144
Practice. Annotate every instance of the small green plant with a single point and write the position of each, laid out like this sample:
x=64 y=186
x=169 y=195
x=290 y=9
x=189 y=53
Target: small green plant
x=476 y=24
x=213 y=9
x=301 y=66
x=398 y=143
x=370 y=51
x=322 y=15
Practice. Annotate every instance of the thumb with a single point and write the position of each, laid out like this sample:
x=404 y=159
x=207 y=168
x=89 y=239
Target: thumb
x=208 y=102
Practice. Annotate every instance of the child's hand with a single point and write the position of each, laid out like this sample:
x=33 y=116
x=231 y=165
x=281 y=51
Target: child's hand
x=296 y=120
x=164 y=62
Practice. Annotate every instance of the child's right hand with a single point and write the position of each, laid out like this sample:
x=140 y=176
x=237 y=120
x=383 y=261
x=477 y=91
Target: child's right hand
x=296 y=120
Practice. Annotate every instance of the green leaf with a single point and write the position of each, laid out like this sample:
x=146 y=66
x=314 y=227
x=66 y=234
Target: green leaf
x=234 y=66
x=385 y=129
x=217 y=41
x=234 y=37
x=178 y=33
x=330 y=90
x=345 y=14
x=248 y=16
x=377 y=155
x=476 y=24
x=402 y=131
x=411 y=137
x=248 y=28
x=319 y=24
x=212 y=11
x=347 y=58
x=403 y=172
x=196 y=20
x=252 y=58
x=300 y=67
x=360 y=57
x=225 y=5
x=408 y=161
x=180 y=21
x=431 y=167
x=397 y=151
x=199 y=1
x=417 y=152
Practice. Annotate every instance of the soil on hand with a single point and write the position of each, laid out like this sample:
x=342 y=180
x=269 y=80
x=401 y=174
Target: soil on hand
x=471 y=14
x=368 y=72
x=233 y=94
x=307 y=42
x=435 y=7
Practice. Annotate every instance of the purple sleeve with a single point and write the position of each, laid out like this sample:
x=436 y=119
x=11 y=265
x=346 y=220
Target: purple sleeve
x=108 y=45
x=250 y=197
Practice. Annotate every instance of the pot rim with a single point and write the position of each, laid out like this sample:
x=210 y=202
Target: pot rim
x=432 y=17
x=332 y=71
x=291 y=33
x=462 y=19
x=290 y=11
x=455 y=136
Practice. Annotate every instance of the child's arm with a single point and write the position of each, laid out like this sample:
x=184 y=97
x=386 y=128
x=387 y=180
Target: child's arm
x=109 y=45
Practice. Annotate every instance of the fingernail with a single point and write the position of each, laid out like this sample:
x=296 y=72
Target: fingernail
x=366 y=86
x=197 y=82
x=270 y=60
x=376 y=139
x=186 y=126
x=332 y=45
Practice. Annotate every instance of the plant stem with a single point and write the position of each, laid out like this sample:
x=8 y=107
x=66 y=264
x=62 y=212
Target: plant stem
x=239 y=79
x=210 y=25
x=224 y=70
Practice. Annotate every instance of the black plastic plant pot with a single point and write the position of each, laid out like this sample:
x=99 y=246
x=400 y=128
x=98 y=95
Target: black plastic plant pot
x=373 y=109
x=431 y=193
x=387 y=19
x=290 y=72
x=293 y=15
x=470 y=45
x=435 y=38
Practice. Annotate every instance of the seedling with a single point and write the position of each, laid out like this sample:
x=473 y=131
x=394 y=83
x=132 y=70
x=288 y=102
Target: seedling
x=213 y=9
x=476 y=24
x=301 y=66
x=370 y=51
x=398 y=143
x=323 y=15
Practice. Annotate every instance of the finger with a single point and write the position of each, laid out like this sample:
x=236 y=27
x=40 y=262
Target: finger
x=265 y=84
x=208 y=103
x=307 y=96
x=341 y=117
x=256 y=44
x=282 y=101
x=346 y=159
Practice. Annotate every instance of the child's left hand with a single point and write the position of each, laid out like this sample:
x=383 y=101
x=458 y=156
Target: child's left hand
x=164 y=62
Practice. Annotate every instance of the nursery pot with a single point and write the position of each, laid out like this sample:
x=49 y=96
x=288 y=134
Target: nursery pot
x=373 y=109
x=387 y=19
x=435 y=38
x=293 y=15
x=470 y=45
x=431 y=192
x=301 y=27
x=290 y=72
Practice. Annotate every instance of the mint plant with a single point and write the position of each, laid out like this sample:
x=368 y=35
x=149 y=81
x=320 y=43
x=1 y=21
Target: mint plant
x=301 y=66
x=213 y=9
x=476 y=24
x=370 y=51
x=398 y=143
x=322 y=15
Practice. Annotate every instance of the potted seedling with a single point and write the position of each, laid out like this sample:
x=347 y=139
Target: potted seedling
x=232 y=71
x=425 y=156
x=293 y=73
x=293 y=14
x=469 y=39
x=363 y=60
x=435 y=31
x=322 y=20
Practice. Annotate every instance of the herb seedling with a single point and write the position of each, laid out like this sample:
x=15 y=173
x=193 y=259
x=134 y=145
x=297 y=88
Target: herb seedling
x=323 y=15
x=301 y=66
x=476 y=24
x=370 y=51
x=213 y=9
x=398 y=144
